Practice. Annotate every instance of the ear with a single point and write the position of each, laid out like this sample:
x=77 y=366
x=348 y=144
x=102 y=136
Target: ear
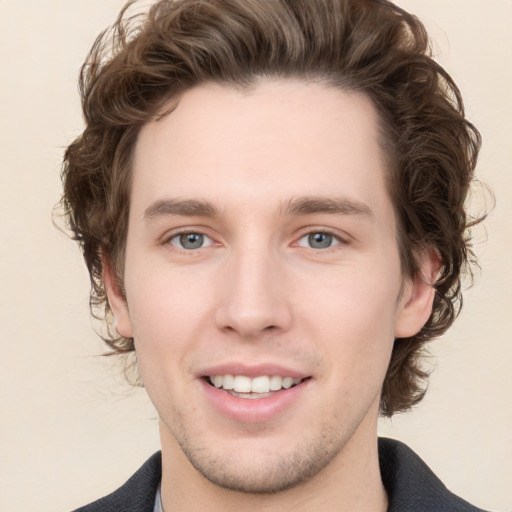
x=417 y=297
x=116 y=300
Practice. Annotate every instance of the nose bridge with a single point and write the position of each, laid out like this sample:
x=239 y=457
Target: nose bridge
x=254 y=298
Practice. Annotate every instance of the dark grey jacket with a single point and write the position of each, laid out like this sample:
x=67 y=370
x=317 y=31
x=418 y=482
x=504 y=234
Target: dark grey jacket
x=411 y=486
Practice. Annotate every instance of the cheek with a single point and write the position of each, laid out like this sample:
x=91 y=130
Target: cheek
x=164 y=327
x=162 y=302
x=166 y=318
x=352 y=317
x=361 y=337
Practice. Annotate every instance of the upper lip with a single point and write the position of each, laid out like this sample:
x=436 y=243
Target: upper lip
x=238 y=368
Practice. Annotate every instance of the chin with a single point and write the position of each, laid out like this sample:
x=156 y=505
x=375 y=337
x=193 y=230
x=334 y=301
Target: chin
x=263 y=470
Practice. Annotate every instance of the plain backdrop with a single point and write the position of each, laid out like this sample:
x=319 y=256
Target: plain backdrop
x=70 y=430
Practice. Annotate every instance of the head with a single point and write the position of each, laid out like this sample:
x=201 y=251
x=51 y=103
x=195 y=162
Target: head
x=137 y=72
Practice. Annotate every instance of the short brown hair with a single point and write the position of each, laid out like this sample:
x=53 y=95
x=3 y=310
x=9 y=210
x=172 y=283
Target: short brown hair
x=369 y=46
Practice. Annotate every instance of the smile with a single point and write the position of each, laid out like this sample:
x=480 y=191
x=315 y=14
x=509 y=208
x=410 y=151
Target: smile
x=242 y=386
x=256 y=398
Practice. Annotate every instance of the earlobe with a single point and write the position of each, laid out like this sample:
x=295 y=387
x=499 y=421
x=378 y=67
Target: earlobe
x=418 y=295
x=117 y=301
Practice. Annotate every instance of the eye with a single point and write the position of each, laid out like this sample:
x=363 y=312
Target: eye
x=191 y=241
x=318 y=240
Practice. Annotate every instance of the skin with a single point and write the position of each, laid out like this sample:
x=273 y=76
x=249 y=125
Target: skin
x=257 y=292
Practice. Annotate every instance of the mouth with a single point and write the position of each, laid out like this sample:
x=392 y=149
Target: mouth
x=263 y=386
x=254 y=394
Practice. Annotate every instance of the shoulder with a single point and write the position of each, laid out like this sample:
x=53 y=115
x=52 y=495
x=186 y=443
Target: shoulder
x=136 y=495
x=411 y=485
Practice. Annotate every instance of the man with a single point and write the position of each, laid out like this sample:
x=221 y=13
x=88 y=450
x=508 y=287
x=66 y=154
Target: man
x=270 y=197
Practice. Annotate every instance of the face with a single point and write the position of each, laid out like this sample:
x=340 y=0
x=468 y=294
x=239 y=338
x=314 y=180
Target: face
x=262 y=278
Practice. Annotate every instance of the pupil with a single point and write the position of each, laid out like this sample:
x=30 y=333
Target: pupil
x=191 y=240
x=320 y=240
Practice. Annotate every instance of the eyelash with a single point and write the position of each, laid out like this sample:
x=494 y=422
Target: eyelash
x=335 y=240
x=179 y=236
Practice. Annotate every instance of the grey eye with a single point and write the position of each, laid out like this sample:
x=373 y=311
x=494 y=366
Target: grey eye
x=318 y=240
x=190 y=241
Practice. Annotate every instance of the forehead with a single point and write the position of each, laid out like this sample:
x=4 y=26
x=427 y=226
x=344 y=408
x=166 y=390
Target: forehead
x=276 y=140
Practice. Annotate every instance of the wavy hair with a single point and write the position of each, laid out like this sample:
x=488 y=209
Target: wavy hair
x=369 y=46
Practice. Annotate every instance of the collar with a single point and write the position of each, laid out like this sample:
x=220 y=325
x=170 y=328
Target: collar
x=411 y=484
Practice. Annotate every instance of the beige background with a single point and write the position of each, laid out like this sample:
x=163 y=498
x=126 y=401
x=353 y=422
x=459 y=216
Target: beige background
x=69 y=430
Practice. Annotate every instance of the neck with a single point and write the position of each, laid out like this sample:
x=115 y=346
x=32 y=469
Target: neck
x=350 y=482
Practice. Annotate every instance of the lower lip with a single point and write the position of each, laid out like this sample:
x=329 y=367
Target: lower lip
x=257 y=410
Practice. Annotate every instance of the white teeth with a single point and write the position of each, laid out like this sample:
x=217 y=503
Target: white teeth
x=287 y=382
x=261 y=384
x=242 y=384
x=228 y=382
x=275 y=382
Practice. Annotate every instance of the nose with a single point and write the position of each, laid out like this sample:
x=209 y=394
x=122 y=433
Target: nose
x=254 y=299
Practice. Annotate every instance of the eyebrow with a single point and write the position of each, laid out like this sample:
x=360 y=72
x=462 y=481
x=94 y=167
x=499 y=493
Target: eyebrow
x=186 y=208
x=296 y=206
x=313 y=204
